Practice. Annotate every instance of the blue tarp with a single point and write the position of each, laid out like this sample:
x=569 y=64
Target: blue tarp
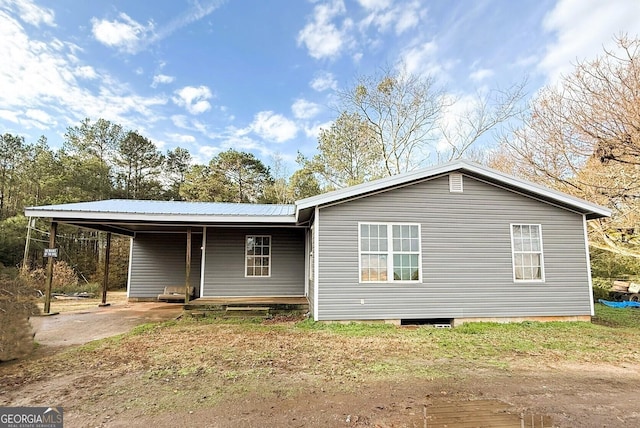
x=624 y=304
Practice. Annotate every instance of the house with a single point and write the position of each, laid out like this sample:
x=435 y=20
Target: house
x=459 y=242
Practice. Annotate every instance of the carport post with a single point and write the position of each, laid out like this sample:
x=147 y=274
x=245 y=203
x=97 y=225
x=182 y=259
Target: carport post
x=188 y=272
x=105 y=277
x=53 y=229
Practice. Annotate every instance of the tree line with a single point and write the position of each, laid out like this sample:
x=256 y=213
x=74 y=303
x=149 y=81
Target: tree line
x=580 y=135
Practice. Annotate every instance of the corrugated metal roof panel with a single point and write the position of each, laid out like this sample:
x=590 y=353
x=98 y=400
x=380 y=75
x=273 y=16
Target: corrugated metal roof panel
x=131 y=206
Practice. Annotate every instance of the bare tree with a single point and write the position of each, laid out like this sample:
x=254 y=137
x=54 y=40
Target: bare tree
x=477 y=117
x=402 y=110
x=412 y=118
x=582 y=136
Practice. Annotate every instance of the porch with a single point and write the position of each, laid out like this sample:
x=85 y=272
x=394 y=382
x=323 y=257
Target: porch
x=269 y=305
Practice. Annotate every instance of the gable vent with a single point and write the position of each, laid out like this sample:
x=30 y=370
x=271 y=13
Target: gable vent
x=455 y=183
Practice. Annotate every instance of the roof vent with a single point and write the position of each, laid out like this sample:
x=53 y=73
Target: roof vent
x=455 y=183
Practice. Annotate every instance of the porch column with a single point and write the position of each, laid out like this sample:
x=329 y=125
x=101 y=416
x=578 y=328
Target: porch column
x=188 y=272
x=105 y=277
x=53 y=229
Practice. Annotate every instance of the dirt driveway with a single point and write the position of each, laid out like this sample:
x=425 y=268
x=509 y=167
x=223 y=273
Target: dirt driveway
x=82 y=326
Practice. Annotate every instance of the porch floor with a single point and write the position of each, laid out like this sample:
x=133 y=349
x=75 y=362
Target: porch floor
x=276 y=304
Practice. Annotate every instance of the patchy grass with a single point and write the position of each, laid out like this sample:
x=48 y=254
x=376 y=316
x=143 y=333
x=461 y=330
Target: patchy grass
x=617 y=317
x=162 y=368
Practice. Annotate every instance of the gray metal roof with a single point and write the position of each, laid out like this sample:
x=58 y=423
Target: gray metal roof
x=127 y=216
x=132 y=206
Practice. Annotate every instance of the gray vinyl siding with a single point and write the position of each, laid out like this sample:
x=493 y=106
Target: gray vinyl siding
x=224 y=274
x=159 y=260
x=466 y=256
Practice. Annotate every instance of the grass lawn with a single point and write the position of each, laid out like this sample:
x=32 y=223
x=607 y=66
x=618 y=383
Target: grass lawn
x=174 y=366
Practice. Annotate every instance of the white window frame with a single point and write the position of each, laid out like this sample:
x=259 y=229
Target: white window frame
x=541 y=252
x=390 y=253
x=246 y=255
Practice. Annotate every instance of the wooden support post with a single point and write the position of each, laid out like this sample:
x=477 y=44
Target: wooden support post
x=105 y=277
x=52 y=244
x=27 y=242
x=188 y=272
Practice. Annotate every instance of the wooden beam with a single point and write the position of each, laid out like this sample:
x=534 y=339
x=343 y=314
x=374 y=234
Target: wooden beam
x=105 y=277
x=188 y=272
x=53 y=229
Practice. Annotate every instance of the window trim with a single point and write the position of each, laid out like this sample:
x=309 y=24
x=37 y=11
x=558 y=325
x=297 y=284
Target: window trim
x=390 y=253
x=246 y=256
x=513 y=254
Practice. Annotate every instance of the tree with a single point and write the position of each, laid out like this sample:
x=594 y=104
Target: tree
x=231 y=176
x=411 y=118
x=97 y=141
x=347 y=152
x=12 y=160
x=177 y=164
x=303 y=184
x=139 y=161
x=402 y=111
x=278 y=190
x=582 y=136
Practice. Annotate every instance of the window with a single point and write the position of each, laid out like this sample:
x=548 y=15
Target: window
x=389 y=252
x=258 y=256
x=526 y=244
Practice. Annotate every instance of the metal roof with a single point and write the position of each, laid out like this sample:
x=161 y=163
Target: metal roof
x=128 y=211
x=127 y=216
x=496 y=177
x=133 y=206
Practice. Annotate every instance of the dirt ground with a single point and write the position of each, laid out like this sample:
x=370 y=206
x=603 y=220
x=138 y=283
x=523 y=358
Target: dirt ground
x=132 y=385
x=91 y=322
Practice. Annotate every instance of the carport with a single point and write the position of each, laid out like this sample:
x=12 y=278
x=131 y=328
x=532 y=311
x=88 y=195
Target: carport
x=169 y=242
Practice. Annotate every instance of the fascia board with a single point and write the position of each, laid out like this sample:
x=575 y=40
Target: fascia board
x=178 y=218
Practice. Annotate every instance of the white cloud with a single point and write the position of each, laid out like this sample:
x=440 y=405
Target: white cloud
x=128 y=35
x=324 y=80
x=421 y=59
x=208 y=152
x=31 y=13
x=481 y=74
x=180 y=121
x=39 y=115
x=123 y=33
x=181 y=138
x=43 y=76
x=274 y=127
x=321 y=36
x=11 y=116
x=383 y=15
x=582 y=28
x=161 y=79
x=303 y=109
x=193 y=98
x=375 y=4
x=314 y=131
x=86 y=72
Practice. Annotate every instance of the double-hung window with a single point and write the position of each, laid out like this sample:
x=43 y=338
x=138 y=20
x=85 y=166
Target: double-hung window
x=528 y=259
x=389 y=252
x=258 y=255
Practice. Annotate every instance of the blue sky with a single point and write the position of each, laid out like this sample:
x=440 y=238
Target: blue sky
x=261 y=76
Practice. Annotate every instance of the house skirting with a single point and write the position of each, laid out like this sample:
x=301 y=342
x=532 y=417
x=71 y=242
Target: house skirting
x=459 y=321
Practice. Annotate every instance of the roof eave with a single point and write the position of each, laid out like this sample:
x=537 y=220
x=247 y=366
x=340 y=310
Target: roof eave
x=591 y=210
